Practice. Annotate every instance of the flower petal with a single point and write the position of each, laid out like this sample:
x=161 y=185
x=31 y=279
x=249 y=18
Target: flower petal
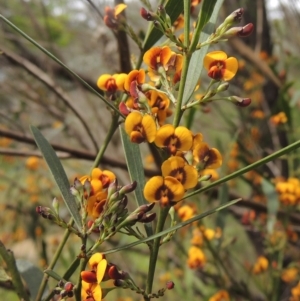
x=119 y=8
x=185 y=137
x=102 y=80
x=101 y=268
x=230 y=68
x=149 y=126
x=163 y=134
x=175 y=187
x=212 y=57
x=151 y=188
x=131 y=121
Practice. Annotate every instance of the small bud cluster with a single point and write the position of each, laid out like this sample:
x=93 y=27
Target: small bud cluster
x=112 y=213
x=225 y=31
x=65 y=290
x=162 y=22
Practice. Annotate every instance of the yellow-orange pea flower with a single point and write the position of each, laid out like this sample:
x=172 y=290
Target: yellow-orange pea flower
x=159 y=104
x=164 y=190
x=174 y=139
x=197 y=258
x=178 y=168
x=157 y=57
x=220 y=67
x=221 y=295
x=260 y=265
x=206 y=157
x=112 y=83
x=111 y=18
x=106 y=177
x=137 y=76
x=91 y=279
x=140 y=127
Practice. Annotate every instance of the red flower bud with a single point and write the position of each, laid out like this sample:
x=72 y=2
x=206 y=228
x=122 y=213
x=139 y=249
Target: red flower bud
x=69 y=286
x=146 y=14
x=170 y=285
x=246 y=30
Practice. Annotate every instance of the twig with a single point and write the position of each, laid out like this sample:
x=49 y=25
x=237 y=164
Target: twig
x=250 y=55
x=44 y=78
x=74 y=152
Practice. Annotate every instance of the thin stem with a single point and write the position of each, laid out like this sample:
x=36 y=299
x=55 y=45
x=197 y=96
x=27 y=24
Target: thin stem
x=53 y=262
x=163 y=213
x=246 y=169
x=110 y=133
x=10 y=261
x=186 y=62
x=83 y=262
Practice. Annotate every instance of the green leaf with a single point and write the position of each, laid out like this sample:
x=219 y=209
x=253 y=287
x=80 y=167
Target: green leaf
x=53 y=275
x=174 y=228
x=173 y=8
x=32 y=275
x=135 y=170
x=209 y=14
x=272 y=204
x=58 y=173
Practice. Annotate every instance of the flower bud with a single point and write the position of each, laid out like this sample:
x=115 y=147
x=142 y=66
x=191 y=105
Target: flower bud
x=222 y=87
x=148 y=218
x=112 y=188
x=234 y=17
x=239 y=101
x=55 y=205
x=114 y=273
x=128 y=188
x=120 y=283
x=241 y=32
x=170 y=285
x=87 y=186
x=147 y=15
x=69 y=286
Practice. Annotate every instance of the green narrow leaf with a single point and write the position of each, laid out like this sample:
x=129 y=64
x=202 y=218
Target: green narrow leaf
x=53 y=274
x=174 y=228
x=58 y=173
x=135 y=170
x=32 y=275
x=173 y=8
x=209 y=14
x=272 y=204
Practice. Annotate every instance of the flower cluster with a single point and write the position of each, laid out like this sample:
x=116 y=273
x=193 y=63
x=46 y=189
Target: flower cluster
x=289 y=191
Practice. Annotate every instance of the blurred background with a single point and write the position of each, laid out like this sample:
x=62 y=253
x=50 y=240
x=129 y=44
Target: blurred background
x=35 y=90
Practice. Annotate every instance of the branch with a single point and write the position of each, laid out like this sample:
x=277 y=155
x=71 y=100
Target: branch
x=73 y=152
x=251 y=56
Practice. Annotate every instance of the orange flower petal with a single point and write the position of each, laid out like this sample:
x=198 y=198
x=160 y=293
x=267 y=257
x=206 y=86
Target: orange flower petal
x=175 y=187
x=150 y=57
x=119 y=8
x=102 y=81
x=132 y=120
x=163 y=134
x=230 y=69
x=185 y=137
x=101 y=268
x=151 y=188
x=213 y=56
x=150 y=127
x=120 y=81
